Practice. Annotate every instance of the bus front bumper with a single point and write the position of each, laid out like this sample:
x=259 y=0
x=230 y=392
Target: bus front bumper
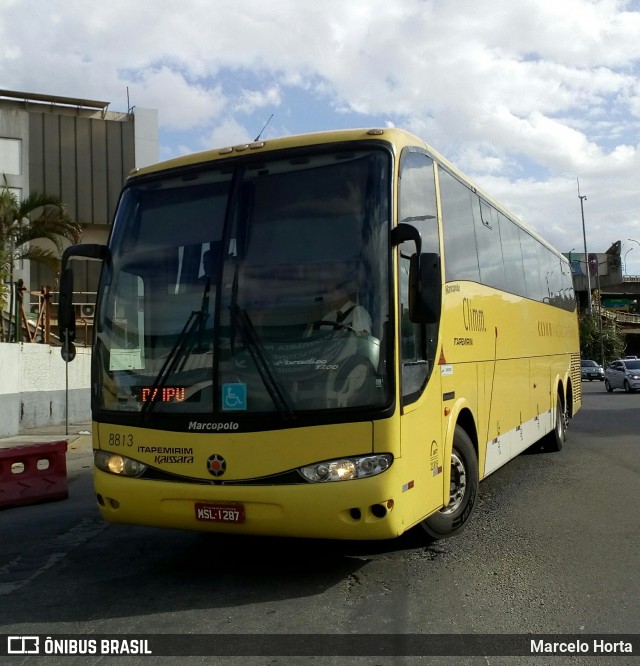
x=358 y=509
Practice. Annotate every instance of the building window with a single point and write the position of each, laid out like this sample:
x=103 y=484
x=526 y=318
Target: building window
x=10 y=163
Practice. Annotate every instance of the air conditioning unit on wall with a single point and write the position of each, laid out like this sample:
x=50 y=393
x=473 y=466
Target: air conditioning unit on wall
x=86 y=310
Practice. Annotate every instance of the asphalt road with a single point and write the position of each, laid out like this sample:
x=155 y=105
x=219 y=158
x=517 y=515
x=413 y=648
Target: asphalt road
x=552 y=548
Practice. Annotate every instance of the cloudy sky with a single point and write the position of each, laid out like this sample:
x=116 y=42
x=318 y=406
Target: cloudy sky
x=525 y=96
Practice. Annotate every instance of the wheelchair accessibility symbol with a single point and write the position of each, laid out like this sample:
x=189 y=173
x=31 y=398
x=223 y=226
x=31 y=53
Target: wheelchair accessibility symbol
x=234 y=397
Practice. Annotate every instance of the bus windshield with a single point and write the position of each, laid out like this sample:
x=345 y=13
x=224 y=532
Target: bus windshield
x=261 y=287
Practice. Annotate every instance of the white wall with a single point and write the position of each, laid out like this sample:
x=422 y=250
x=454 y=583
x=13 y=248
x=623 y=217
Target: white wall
x=32 y=387
x=146 y=136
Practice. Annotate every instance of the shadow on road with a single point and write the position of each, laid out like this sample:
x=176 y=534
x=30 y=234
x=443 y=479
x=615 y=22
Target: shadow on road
x=96 y=572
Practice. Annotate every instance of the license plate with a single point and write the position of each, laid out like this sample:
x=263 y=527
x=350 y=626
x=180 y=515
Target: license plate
x=220 y=513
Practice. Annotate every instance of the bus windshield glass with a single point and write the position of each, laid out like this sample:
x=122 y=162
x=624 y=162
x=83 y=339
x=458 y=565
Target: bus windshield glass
x=257 y=287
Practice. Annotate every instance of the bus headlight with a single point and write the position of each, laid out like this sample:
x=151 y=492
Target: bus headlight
x=346 y=469
x=114 y=463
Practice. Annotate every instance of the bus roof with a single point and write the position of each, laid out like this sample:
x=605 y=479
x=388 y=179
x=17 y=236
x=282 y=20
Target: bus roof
x=395 y=136
x=399 y=138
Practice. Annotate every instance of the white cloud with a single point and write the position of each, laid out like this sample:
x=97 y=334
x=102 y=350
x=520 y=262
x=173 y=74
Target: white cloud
x=228 y=133
x=250 y=100
x=192 y=105
x=524 y=96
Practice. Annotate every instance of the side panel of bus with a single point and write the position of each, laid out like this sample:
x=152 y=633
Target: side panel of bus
x=496 y=364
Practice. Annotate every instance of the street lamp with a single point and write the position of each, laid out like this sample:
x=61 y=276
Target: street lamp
x=633 y=240
x=624 y=261
x=586 y=255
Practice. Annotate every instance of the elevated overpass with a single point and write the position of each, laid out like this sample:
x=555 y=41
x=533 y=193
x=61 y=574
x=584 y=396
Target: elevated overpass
x=627 y=290
x=618 y=293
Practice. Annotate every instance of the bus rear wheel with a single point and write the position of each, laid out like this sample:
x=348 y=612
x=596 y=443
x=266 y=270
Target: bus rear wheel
x=556 y=438
x=463 y=490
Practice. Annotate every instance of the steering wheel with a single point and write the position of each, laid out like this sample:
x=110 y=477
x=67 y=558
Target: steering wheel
x=336 y=325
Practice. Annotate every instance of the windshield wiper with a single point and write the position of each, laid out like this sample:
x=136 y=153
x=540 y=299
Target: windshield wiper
x=181 y=350
x=281 y=400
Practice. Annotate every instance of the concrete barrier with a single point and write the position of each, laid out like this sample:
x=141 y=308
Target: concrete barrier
x=32 y=473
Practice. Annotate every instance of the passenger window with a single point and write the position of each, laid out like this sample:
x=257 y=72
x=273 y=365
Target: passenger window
x=532 y=269
x=461 y=255
x=513 y=264
x=488 y=231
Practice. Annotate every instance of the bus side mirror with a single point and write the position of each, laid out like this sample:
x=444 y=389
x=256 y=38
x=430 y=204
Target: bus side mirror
x=66 y=311
x=425 y=288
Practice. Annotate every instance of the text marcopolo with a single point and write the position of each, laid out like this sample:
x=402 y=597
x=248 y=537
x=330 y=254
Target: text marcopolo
x=205 y=425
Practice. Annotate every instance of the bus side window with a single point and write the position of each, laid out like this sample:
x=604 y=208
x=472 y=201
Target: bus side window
x=460 y=251
x=417 y=206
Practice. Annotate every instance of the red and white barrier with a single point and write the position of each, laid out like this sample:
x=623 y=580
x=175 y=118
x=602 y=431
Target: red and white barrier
x=31 y=473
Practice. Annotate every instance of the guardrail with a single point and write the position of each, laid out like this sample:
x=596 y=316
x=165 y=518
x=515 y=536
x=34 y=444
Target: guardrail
x=621 y=317
x=627 y=318
x=35 y=314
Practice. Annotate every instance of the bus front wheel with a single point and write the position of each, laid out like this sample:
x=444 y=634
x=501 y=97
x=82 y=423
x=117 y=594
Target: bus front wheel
x=463 y=490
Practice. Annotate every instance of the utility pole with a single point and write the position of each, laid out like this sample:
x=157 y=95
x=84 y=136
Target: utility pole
x=586 y=256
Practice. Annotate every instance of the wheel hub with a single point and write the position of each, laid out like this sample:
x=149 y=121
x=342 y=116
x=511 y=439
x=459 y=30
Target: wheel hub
x=458 y=484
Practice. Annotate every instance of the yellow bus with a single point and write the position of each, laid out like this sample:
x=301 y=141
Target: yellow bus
x=334 y=335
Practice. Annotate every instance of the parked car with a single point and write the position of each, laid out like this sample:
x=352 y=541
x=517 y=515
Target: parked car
x=591 y=370
x=623 y=374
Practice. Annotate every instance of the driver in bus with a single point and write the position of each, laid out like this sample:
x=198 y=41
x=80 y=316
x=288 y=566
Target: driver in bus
x=341 y=310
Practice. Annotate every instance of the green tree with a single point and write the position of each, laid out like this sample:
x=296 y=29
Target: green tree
x=23 y=226
x=600 y=337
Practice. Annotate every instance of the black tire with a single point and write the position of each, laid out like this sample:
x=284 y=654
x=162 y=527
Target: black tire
x=556 y=438
x=627 y=387
x=464 y=490
x=608 y=386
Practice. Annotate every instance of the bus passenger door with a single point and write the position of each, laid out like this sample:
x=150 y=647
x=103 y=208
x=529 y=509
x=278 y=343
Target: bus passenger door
x=420 y=394
x=421 y=417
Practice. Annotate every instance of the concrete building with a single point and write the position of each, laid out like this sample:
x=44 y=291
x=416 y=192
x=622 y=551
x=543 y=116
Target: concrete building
x=604 y=270
x=77 y=150
x=80 y=152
